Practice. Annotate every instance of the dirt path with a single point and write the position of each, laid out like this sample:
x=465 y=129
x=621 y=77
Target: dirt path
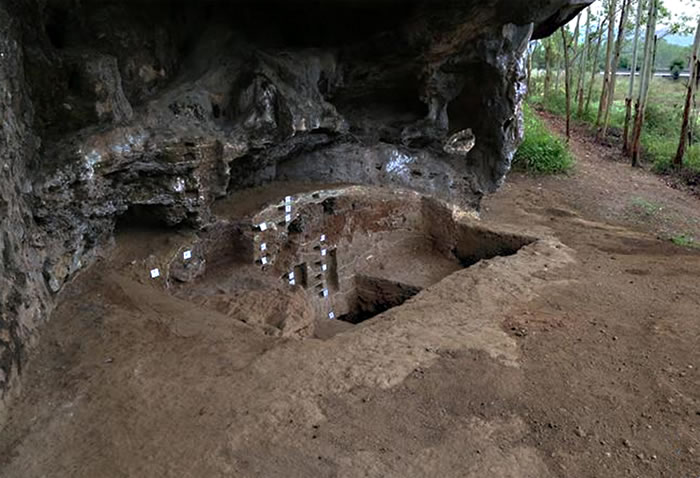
x=584 y=369
x=612 y=359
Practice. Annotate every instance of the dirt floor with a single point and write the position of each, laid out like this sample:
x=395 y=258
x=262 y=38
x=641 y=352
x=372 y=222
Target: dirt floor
x=548 y=367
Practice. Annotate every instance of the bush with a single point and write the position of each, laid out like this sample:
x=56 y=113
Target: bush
x=662 y=120
x=541 y=152
x=676 y=67
x=692 y=158
x=555 y=103
x=659 y=150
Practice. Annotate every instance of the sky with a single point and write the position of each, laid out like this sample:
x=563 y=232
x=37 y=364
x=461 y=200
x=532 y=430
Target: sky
x=677 y=8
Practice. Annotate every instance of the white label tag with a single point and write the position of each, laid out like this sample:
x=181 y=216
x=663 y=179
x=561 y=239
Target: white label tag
x=323 y=238
x=187 y=255
x=263 y=247
x=291 y=275
x=324 y=292
x=323 y=252
x=263 y=226
x=288 y=218
x=264 y=260
x=331 y=315
x=288 y=199
x=292 y=282
x=288 y=208
x=324 y=267
x=155 y=273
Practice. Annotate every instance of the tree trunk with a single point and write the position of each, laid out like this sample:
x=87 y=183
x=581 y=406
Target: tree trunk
x=529 y=72
x=581 y=84
x=633 y=73
x=695 y=121
x=530 y=53
x=615 y=63
x=608 y=63
x=594 y=69
x=692 y=82
x=648 y=72
x=567 y=83
x=547 y=67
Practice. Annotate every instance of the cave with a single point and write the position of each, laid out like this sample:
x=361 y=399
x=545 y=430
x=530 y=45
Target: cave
x=385 y=123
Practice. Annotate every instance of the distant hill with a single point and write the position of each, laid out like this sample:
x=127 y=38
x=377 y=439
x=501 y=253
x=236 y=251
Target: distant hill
x=680 y=40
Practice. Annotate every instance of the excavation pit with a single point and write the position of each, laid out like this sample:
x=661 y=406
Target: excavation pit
x=374 y=296
x=344 y=255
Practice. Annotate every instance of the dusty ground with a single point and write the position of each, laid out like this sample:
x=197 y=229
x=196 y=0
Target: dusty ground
x=538 y=367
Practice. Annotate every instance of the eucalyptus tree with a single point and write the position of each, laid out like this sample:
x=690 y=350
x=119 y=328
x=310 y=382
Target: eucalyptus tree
x=583 y=60
x=612 y=6
x=596 y=55
x=616 y=61
x=633 y=75
x=647 y=73
x=692 y=85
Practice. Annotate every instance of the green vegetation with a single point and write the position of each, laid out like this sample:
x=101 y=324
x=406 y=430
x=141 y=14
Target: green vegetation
x=676 y=67
x=663 y=117
x=541 y=151
x=646 y=207
x=668 y=53
x=685 y=241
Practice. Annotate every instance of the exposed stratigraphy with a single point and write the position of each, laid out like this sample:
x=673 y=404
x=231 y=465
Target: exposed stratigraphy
x=155 y=109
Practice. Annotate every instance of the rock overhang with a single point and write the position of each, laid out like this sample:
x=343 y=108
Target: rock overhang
x=163 y=107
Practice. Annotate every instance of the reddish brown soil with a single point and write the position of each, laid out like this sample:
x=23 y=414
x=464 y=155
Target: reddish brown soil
x=611 y=360
x=593 y=373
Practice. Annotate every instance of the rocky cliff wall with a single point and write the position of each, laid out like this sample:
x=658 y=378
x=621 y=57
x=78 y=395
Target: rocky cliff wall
x=153 y=110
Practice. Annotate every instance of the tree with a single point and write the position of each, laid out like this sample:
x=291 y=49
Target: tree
x=567 y=80
x=647 y=73
x=548 y=59
x=692 y=85
x=608 y=62
x=594 y=69
x=531 y=49
x=581 y=85
x=616 y=61
x=633 y=74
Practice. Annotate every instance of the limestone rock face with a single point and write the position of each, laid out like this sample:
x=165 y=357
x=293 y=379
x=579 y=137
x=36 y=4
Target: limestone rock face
x=152 y=110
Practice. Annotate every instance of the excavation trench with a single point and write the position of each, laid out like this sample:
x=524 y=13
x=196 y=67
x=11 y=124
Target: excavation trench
x=314 y=263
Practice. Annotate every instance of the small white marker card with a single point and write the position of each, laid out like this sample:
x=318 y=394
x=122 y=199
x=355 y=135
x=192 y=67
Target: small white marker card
x=155 y=273
x=263 y=246
x=291 y=275
x=323 y=238
x=323 y=252
x=187 y=255
x=331 y=315
x=324 y=292
x=292 y=282
x=288 y=199
x=288 y=218
x=287 y=208
x=264 y=260
x=324 y=267
x=263 y=226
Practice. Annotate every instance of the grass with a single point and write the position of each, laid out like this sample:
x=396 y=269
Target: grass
x=685 y=240
x=662 y=119
x=541 y=151
x=647 y=207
